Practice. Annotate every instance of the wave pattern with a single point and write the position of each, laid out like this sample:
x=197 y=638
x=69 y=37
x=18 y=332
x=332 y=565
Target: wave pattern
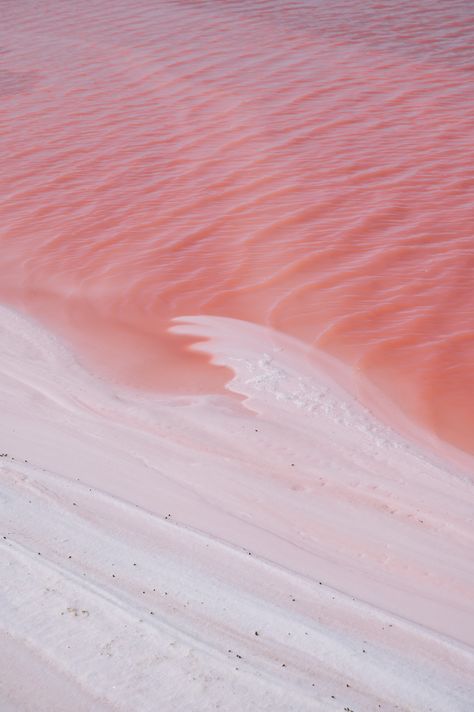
x=305 y=165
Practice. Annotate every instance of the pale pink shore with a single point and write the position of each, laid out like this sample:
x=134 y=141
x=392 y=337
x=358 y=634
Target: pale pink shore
x=197 y=554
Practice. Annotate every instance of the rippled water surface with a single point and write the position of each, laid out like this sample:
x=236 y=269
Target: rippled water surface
x=307 y=165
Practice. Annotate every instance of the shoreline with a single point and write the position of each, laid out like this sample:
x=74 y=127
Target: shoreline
x=213 y=501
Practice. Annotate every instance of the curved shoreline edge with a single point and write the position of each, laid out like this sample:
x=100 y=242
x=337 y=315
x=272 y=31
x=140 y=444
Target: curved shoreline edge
x=148 y=539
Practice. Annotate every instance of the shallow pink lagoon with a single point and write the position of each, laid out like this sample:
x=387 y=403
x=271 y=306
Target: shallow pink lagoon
x=302 y=165
x=260 y=216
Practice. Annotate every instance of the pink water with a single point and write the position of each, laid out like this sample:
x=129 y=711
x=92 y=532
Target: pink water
x=307 y=165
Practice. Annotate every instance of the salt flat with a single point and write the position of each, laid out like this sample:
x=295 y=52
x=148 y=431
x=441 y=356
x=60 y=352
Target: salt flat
x=167 y=553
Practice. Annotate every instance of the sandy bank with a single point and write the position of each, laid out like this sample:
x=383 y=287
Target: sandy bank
x=148 y=540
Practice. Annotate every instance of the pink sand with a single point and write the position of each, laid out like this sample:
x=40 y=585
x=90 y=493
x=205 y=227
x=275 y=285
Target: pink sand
x=148 y=539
